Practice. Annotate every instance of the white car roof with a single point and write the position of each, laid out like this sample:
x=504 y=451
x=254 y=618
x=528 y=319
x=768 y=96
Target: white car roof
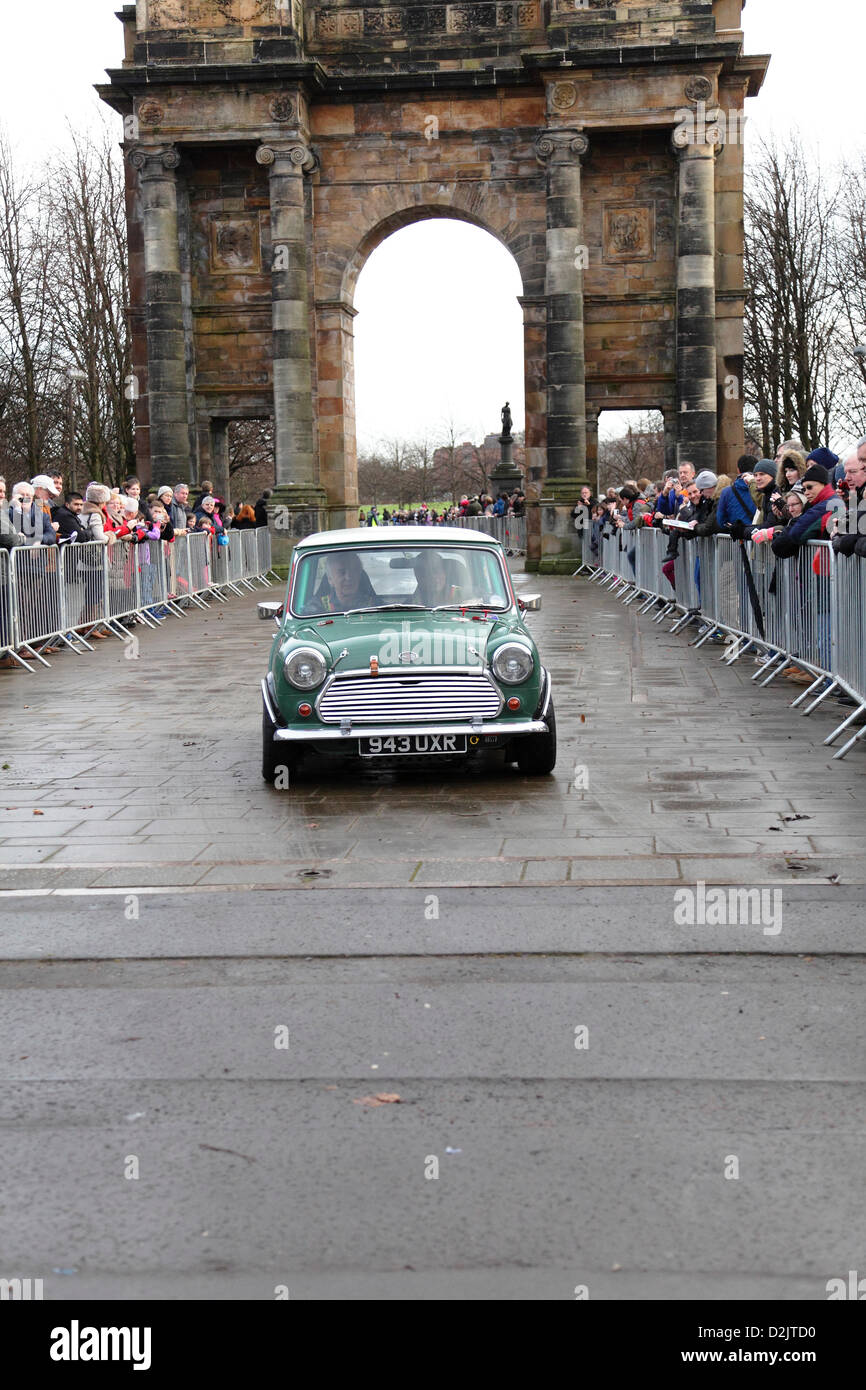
x=406 y=535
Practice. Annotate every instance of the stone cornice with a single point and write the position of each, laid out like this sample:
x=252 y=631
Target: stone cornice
x=526 y=69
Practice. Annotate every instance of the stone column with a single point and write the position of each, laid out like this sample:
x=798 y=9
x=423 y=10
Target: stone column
x=561 y=150
x=535 y=435
x=335 y=398
x=298 y=496
x=166 y=351
x=696 y=301
x=219 y=458
x=592 y=451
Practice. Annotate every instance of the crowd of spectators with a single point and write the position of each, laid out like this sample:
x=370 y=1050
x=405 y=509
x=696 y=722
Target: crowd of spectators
x=782 y=503
x=41 y=513
x=482 y=504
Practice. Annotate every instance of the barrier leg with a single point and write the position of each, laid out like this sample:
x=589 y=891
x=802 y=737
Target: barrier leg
x=831 y=738
x=834 y=685
x=34 y=654
x=850 y=744
x=809 y=691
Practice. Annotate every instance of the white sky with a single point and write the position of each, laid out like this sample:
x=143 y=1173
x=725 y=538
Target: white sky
x=438 y=331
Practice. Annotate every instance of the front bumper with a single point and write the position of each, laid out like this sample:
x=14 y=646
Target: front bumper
x=320 y=733
x=494 y=726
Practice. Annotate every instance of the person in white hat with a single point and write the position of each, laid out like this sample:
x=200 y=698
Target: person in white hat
x=45 y=493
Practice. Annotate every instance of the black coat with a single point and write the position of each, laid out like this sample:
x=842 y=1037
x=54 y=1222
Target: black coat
x=71 y=528
x=261 y=511
x=850 y=542
x=705 y=512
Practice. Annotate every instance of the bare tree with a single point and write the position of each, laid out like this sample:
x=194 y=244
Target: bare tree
x=792 y=366
x=849 y=282
x=84 y=202
x=27 y=324
x=636 y=453
x=251 y=457
x=397 y=456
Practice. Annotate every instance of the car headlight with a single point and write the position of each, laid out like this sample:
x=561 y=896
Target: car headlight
x=512 y=663
x=305 y=668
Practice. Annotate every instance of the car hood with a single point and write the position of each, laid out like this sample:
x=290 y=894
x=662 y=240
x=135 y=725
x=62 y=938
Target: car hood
x=437 y=639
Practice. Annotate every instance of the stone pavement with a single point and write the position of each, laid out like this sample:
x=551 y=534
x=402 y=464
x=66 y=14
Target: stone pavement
x=672 y=768
x=443 y=938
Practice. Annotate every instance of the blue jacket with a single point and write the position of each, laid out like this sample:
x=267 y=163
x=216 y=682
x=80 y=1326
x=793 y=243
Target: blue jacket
x=668 y=504
x=735 y=504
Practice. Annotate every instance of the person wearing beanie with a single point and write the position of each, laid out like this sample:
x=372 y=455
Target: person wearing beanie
x=765 y=495
x=816 y=473
x=814 y=524
x=825 y=457
x=706 y=508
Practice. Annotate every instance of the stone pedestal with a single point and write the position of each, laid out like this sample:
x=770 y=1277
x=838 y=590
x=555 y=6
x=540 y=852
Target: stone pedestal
x=506 y=476
x=561 y=544
x=293 y=513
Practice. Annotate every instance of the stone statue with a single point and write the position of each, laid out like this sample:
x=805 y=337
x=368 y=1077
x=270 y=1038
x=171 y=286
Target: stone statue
x=506 y=421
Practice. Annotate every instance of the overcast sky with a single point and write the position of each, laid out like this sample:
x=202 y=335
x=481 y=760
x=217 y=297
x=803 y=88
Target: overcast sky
x=438 y=333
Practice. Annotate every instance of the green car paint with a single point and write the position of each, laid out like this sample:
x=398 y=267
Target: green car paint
x=413 y=671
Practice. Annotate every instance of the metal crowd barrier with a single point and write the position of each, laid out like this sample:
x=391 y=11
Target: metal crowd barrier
x=54 y=596
x=807 y=610
x=510 y=531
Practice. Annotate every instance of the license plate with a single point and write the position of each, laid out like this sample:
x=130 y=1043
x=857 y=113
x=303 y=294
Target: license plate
x=390 y=745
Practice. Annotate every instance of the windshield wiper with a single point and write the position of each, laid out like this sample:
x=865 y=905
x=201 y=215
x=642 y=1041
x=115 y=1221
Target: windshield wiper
x=385 y=608
x=464 y=607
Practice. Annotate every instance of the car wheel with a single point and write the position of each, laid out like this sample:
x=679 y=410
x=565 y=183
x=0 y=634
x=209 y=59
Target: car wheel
x=276 y=756
x=536 y=754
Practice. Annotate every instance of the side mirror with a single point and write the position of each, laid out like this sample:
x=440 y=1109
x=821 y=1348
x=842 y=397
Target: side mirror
x=529 y=603
x=269 y=609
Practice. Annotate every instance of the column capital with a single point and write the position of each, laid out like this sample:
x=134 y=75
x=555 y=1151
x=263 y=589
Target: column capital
x=297 y=156
x=561 y=145
x=154 y=161
x=686 y=144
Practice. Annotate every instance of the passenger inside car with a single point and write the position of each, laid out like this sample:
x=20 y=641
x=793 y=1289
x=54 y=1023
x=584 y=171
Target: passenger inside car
x=436 y=579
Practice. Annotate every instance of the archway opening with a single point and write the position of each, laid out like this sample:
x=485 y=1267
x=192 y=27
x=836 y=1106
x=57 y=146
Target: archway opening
x=631 y=447
x=250 y=457
x=438 y=349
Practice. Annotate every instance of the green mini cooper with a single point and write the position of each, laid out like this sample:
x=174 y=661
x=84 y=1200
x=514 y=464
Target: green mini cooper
x=398 y=644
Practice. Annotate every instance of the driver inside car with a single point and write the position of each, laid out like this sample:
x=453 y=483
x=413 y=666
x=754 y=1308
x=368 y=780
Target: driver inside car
x=348 y=585
x=434 y=580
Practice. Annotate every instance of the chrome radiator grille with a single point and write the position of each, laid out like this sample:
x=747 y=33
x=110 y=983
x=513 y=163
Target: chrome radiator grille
x=395 y=699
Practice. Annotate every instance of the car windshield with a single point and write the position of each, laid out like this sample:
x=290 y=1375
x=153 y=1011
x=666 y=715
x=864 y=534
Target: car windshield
x=369 y=578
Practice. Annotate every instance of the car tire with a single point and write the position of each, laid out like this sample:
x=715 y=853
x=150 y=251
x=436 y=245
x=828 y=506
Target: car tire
x=275 y=755
x=536 y=754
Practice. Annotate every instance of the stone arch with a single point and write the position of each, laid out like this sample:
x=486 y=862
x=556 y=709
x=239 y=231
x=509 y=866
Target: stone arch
x=342 y=250
x=460 y=202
